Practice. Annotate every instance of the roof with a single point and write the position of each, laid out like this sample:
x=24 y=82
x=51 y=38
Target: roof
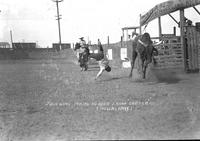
x=132 y=27
x=166 y=8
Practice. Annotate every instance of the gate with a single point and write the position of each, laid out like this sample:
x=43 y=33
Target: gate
x=192 y=41
x=170 y=52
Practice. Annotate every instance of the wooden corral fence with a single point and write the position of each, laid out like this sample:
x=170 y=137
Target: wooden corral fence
x=198 y=41
x=172 y=55
x=192 y=48
x=170 y=52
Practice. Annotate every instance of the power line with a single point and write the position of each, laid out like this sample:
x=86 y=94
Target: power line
x=58 y=18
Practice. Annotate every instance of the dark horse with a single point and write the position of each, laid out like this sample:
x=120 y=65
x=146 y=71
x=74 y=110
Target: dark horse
x=82 y=56
x=143 y=47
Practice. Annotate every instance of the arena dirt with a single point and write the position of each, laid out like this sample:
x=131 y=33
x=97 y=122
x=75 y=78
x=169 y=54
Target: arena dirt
x=52 y=100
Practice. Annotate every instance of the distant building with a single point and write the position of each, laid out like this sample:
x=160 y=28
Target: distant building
x=4 y=45
x=25 y=46
x=63 y=46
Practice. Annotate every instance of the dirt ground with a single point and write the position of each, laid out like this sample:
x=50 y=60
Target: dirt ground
x=51 y=100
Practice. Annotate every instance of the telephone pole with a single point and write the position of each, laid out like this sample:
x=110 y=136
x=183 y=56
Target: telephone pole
x=58 y=18
x=11 y=39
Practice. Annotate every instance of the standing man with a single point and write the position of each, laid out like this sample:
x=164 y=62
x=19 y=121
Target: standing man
x=100 y=46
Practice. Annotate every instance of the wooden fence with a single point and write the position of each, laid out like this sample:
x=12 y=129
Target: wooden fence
x=192 y=47
x=170 y=53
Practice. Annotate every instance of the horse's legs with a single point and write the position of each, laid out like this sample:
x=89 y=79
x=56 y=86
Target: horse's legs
x=133 y=63
x=85 y=66
x=145 y=65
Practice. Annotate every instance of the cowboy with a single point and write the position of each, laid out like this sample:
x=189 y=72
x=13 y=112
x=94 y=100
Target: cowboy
x=104 y=66
x=82 y=42
x=83 y=47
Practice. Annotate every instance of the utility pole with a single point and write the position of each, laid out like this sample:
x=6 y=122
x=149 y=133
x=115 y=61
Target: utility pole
x=11 y=38
x=58 y=18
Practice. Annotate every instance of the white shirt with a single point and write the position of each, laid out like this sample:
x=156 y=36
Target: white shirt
x=82 y=43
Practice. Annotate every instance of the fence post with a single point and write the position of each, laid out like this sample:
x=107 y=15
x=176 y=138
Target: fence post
x=108 y=40
x=174 y=31
x=182 y=24
x=121 y=41
x=140 y=25
x=160 y=27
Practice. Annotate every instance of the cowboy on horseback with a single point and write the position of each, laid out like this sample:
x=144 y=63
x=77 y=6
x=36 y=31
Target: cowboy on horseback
x=83 y=54
x=82 y=46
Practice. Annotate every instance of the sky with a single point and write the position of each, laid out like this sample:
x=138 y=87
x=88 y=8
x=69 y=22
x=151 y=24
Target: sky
x=35 y=21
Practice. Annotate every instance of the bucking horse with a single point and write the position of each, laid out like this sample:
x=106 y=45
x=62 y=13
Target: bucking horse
x=144 y=49
x=82 y=55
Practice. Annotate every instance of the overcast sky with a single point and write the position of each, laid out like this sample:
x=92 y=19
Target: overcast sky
x=34 y=20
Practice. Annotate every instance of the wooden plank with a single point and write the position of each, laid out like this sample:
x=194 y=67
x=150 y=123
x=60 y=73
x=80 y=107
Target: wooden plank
x=189 y=48
x=182 y=33
x=169 y=56
x=196 y=50
x=166 y=8
x=198 y=43
x=159 y=27
x=168 y=37
x=193 y=48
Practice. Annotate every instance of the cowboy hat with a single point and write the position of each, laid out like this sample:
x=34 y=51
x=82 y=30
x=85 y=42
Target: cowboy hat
x=108 y=68
x=81 y=38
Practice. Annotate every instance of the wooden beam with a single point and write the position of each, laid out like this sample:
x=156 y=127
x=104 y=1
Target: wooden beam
x=131 y=27
x=108 y=40
x=173 y=18
x=160 y=27
x=182 y=33
x=123 y=34
x=196 y=10
x=126 y=35
x=140 y=32
x=174 y=31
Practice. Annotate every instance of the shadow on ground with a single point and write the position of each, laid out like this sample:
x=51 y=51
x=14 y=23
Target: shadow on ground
x=166 y=76
x=115 y=78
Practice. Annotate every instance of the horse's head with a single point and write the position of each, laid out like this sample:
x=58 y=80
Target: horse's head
x=145 y=47
x=77 y=46
x=144 y=43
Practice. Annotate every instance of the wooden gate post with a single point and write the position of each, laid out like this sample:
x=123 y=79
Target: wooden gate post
x=159 y=28
x=182 y=34
x=140 y=32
